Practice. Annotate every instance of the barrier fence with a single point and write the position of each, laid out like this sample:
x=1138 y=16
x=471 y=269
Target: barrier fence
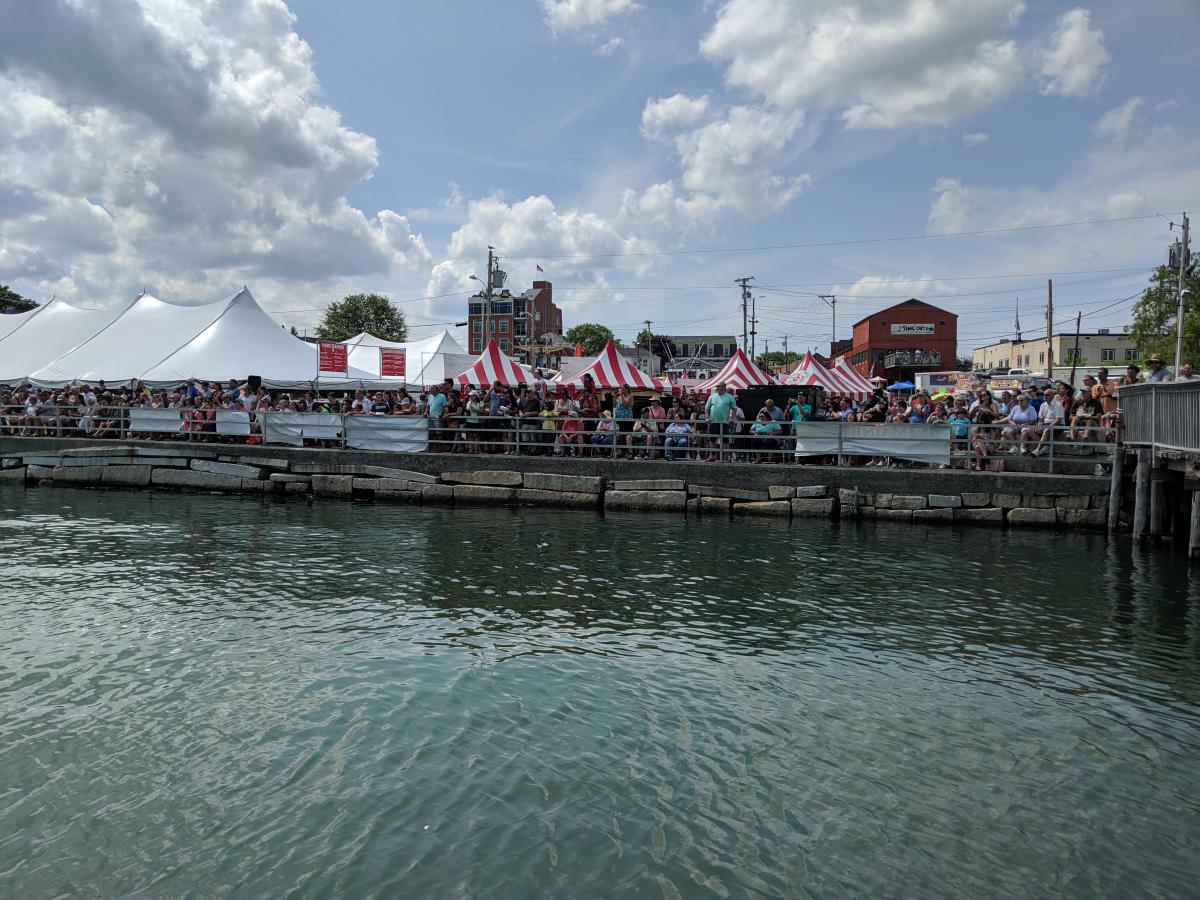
x=955 y=445
x=1165 y=416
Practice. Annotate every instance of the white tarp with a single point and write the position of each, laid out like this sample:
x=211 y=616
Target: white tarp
x=399 y=434
x=233 y=422
x=49 y=332
x=293 y=428
x=145 y=418
x=921 y=443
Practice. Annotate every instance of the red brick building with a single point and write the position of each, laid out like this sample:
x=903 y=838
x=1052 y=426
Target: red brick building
x=514 y=317
x=904 y=339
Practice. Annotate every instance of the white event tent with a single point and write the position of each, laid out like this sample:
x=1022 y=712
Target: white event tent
x=47 y=333
x=428 y=362
x=10 y=322
x=166 y=343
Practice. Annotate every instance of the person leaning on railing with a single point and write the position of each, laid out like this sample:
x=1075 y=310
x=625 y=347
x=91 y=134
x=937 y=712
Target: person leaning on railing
x=605 y=434
x=678 y=436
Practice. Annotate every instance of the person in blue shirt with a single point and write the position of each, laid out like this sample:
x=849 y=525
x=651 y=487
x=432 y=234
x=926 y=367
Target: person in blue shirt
x=767 y=431
x=719 y=407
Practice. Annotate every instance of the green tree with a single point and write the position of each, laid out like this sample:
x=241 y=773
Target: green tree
x=1156 y=313
x=776 y=358
x=592 y=336
x=357 y=313
x=12 y=302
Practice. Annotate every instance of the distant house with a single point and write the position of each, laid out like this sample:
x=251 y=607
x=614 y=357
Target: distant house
x=698 y=354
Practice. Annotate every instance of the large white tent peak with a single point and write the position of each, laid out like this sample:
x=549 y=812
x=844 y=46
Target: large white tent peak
x=48 y=333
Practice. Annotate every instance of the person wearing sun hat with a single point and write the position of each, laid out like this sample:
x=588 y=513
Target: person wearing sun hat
x=1157 y=372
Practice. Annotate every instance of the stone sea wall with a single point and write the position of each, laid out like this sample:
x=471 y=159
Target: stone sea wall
x=917 y=496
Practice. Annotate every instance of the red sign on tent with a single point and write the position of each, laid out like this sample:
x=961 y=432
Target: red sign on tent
x=392 y=362
x=332 y=357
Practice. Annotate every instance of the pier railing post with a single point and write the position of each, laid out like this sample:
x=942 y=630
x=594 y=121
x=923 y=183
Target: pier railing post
x=1141 y=495
x=1114 y=490
x=1194 y=530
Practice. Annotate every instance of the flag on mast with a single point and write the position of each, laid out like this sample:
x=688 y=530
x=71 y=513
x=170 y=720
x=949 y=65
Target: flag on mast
x=540 y=269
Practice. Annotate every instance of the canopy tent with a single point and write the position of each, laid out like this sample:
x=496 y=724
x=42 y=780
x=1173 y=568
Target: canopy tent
x=612 y=370
x=166 y=343
x=10 y=322
x=901 y=386
x=49 y=332
x=810 y=373
x=738 y=374
x=856 y=386
x=494 y=366
x=244 y=339
x=427 y=362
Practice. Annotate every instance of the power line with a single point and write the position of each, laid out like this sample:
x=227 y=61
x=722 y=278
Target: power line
x=845 y=243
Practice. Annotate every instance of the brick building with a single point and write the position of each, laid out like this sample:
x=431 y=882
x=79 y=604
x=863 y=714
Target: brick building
x=910 y=337
x=516 y=320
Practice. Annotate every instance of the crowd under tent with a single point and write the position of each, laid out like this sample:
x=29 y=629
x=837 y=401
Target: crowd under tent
x=493 y=366
x=611 y=370
x=45 y=334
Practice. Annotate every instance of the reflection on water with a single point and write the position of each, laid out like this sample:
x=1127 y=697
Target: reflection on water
x=207 y=695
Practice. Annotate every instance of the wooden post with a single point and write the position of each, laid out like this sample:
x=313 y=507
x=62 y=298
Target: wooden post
x=1114 y=491
x=1141 y=494
x=1194 y=532
x=1160 y=506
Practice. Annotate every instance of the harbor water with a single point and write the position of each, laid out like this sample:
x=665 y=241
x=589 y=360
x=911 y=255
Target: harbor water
x=209 y=696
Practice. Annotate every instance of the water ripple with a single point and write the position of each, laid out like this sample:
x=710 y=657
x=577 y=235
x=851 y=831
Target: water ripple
x=208 y=696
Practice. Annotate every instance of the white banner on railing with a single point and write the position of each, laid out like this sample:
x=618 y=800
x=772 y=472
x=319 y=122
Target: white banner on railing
x=399 y=434
x=921 y=443
x=233 y=422
x=142 y=418
x=293 y=428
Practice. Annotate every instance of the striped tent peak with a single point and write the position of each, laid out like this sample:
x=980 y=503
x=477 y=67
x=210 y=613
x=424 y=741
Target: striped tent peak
x=858 y=384
x=612 y=370
x=491 y=366
x=739 y=373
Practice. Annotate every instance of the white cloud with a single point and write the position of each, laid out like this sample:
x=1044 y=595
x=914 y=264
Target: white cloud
x=609 y=47
x=671 y=113
x=1118 y=121
x=582 y=15
x=180 y=146
x=1074 y=64
x=536 y=229
x=884 y=65
x=975 y=138
x=728 y=163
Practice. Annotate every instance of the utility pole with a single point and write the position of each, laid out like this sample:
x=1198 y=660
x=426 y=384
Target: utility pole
x=1049 y=327
x=487 y=298
x=831 y=302
x=1075 y=352
x=745 y=283
x=1017 y=323
x=753 y=326
x=766 y=346
x=1184 y=262
x=785 y=337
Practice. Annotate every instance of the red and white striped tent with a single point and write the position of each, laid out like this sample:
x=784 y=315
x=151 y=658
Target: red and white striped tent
x=810 y=373
x=739 y=373
x=612 y=370
x=493 y=365
x=857 y=386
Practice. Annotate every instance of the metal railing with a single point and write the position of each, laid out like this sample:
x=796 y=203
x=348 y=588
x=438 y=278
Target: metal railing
x=956 y=445
x=1163 y=416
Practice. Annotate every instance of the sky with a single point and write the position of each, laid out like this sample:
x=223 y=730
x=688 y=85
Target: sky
x=644 y=154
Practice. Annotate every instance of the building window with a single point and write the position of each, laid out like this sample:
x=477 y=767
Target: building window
x=504 y=326
x=1131 y=355
x=491 y=326
x=474 y=309
x=503 y=345
x=475 y=345
x=1108 y=355
x=519 y=327
x=1072 y=354
x=1042 y=358
x=477 y=326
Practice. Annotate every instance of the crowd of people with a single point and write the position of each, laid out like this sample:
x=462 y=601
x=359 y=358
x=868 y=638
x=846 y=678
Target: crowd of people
x=541 y=418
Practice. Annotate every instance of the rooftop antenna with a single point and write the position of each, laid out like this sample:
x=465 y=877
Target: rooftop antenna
x=1017 y=323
